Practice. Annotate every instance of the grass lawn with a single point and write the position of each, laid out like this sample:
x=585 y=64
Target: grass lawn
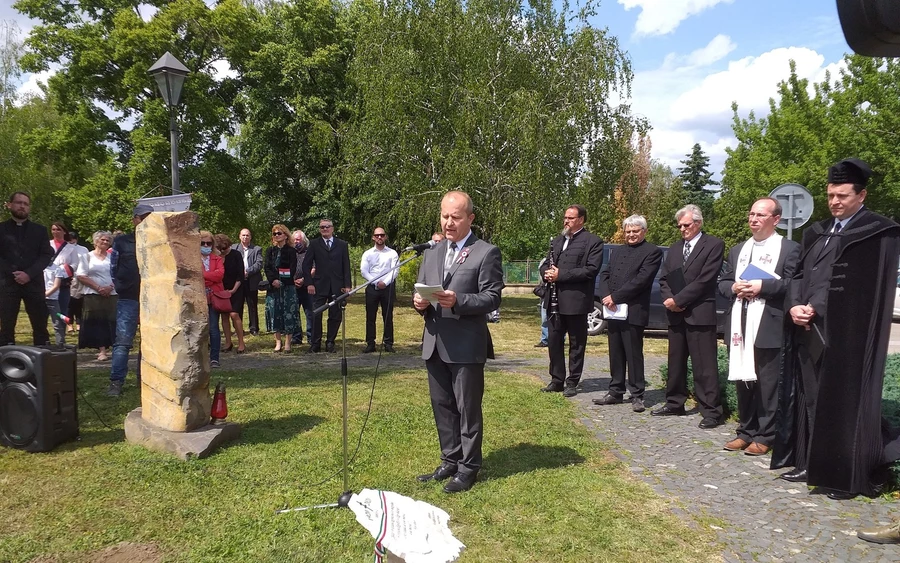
x=548 y=491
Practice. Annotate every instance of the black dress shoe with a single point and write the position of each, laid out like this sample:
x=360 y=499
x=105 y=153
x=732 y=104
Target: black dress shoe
x=368 y=349
x=444 y=471
x=541 y=345
x=794 y=476
x=608 y=399
x=666 y=410
x=329 y=347
x=552 y=388
x=460 y=483
x=389 y=348
x=570 y=391
x=709 y=422
x=315 y=349
x=839 y=495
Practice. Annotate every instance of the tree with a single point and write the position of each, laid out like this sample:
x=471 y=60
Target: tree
x=112 y=115
x=696 y=179
x=503 y=100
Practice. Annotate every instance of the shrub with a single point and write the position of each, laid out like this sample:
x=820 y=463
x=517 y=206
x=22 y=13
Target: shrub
x=729 y=395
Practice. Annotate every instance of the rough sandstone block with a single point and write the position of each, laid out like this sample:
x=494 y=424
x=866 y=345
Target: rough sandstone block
x=174 y=323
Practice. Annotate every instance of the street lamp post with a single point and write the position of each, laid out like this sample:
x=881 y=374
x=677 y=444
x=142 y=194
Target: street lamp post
x=170 y=74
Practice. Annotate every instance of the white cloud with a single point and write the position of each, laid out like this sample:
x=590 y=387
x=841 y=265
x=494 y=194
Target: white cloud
x=221 y=70
x=688 y=98
x=30 y=86
x=660 y=17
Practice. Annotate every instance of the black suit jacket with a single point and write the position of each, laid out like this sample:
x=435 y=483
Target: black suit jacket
x=332 y=266
x=24 y=248
x=629 y=279
x=771 y=325
x=578 y=267
x=813 y=278
x=698 y=297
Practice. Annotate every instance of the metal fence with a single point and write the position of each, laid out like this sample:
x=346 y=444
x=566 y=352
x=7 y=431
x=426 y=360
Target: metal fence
x=522 y=271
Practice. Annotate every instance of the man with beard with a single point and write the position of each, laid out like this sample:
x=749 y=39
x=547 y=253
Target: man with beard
x=576 y=256
x=756 y=279
x=840 y=305
x=627 y=284
x=24 y=253
x=375 y=266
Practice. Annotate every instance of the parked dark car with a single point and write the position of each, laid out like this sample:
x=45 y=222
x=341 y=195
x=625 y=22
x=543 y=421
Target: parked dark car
x=658 y=321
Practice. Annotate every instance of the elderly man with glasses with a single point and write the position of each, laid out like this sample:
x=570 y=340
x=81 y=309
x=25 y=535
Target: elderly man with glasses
x=330 y=257
x=688 y=287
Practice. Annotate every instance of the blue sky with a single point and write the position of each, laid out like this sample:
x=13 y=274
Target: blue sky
x=693 y=58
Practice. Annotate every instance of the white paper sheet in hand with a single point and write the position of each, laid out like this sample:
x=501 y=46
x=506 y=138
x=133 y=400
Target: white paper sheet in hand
x=413 y=530
x=428 y=291
x=620 y=314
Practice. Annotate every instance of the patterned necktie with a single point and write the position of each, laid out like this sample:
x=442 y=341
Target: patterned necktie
x=451 y=254
x=328 y=244
x=836 y=230
x=687 y=252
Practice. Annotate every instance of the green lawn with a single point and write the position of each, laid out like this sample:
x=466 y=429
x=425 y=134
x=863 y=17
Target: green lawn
x=548 y=491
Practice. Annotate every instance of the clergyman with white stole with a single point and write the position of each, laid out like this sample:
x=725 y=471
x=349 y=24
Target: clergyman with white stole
x=757 y=277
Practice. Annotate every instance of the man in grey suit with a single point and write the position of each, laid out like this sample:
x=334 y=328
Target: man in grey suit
x=755 y=328
x=456 y=342
x=252 y=257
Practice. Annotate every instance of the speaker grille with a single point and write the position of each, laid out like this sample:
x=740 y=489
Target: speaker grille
x=19 y=417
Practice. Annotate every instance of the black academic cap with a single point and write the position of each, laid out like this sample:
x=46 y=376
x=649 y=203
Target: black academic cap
x=849 y=171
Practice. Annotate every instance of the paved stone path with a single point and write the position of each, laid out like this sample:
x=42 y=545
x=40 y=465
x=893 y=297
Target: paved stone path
x=756 y=516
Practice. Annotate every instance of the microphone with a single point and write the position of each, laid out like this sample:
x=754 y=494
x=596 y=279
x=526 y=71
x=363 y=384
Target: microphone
x=421 y=247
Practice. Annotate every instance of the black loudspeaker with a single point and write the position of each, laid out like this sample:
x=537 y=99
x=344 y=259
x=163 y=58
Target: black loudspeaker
x=38 y=406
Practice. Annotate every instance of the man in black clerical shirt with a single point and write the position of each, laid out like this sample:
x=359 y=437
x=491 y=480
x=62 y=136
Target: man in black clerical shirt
x=24 y=253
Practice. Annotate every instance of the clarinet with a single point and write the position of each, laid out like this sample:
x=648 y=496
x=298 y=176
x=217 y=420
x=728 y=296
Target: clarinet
x=553 y=305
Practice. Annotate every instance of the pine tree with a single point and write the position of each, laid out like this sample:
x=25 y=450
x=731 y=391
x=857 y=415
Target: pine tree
x=696 y=177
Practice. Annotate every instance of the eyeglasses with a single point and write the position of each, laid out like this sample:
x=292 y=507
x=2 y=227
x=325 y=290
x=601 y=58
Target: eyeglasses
x=324 y=227
x=382 y=235
x=206 y=243
x=277 y=234
x=685 y=225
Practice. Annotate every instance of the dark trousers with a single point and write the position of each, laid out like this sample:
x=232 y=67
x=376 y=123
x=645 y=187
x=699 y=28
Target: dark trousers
x=626 y=349
x=383 y=298
x=11 y=294
x=305 y=302
x=806 y=402
x=334 y=321
x=758 y=400
x=698 y=342
x=251 y=297
x=576 y=327
x=456 y=392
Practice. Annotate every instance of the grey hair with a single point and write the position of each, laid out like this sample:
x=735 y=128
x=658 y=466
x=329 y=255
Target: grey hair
x=302 y=237
x=99 y=234
x=695 y=212
x=635 y=221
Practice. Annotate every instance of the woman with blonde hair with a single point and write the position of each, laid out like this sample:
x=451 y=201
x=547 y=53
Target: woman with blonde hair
x=213 y=272
x=282 y=313
x=234 y=274
x=98 y=325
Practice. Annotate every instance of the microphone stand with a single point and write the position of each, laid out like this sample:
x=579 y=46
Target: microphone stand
x=344 y=499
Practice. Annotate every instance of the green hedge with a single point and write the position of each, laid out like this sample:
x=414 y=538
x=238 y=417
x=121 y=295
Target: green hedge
x=729 y=395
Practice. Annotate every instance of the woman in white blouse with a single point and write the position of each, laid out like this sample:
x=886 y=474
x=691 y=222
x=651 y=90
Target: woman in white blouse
x=98 y=325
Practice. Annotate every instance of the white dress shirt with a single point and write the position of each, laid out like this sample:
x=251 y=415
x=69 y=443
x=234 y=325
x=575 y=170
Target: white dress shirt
x=375 y=264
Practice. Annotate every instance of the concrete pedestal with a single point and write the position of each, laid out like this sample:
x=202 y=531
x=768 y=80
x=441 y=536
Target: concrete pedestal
x=197 y=443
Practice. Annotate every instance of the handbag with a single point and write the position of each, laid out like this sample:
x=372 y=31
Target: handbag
x=220 y=301
x=540 y=290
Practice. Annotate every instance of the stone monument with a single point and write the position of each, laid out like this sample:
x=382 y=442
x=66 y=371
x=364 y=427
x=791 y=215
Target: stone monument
x=175 y=398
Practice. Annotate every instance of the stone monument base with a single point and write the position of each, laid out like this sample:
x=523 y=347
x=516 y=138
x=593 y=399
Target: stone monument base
x=197 y=443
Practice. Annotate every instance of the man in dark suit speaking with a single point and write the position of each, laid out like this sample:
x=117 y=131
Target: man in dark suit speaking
x=627 y=284
x=576 y=257
x=330 y=256
x=456 y=342
x=688 y=288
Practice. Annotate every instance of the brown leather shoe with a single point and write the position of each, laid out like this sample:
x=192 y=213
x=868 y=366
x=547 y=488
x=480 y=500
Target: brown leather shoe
x=736 y=445
x=757 y=449
x=882 y=534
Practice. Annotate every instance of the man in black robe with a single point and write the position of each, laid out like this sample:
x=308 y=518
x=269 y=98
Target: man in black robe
x=840 y=305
